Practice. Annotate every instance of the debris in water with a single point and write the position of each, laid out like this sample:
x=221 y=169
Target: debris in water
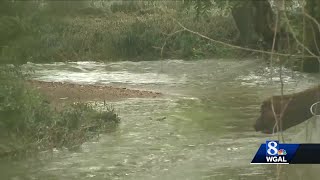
x=161 y=118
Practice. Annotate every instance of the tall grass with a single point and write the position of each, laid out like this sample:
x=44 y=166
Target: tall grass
x=114 y=33
x=29 y=123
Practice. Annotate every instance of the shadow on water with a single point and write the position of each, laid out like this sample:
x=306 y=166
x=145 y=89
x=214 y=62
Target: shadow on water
x=201 y=129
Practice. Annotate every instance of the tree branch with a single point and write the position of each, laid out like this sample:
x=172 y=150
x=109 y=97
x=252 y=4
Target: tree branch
x=239 y=47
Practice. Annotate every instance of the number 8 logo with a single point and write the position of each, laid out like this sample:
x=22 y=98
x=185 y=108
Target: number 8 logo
x=272 y=148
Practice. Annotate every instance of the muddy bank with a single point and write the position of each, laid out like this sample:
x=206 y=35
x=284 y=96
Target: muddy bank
x=68 y=92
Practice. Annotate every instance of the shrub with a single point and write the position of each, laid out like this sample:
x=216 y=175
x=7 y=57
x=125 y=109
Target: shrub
x=29 y=123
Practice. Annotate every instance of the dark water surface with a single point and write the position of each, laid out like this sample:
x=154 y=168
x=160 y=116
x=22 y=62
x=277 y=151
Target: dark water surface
x=210 y=108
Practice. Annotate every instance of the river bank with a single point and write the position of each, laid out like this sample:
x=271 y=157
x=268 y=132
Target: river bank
x=103 y=34
x=32 y=119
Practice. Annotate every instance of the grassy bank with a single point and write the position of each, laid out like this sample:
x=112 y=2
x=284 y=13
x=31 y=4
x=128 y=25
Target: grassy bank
x=28 y=123
x=117 y=32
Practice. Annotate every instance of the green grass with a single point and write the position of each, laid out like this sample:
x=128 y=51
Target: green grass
x=118 y=34
x=28 y=123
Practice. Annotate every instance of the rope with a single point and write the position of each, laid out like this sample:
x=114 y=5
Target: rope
x=311 y=109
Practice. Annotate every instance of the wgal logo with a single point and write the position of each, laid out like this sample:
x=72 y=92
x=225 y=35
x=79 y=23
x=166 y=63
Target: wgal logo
x=274 y=154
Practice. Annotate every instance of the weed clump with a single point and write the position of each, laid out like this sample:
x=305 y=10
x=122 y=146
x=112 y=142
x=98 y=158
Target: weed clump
x=28 y=123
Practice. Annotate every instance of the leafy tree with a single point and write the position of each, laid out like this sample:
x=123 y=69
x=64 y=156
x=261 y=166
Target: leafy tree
x=255 y=20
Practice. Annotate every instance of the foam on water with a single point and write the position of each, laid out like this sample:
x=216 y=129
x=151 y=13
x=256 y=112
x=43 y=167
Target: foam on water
x=98 y=73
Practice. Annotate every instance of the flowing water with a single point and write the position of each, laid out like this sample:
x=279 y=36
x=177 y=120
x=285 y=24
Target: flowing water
x=201 y=129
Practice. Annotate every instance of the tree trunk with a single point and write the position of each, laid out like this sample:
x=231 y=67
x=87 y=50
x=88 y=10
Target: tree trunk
x=312 y=36
x=243 y=17
x=254 y=22
x=264 y=21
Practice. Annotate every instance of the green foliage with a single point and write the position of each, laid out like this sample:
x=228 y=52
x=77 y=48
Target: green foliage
x=125 y=6
x=10 y=28
x=135 y=41
x=144 y=37
x=202 y=7
x=30 y=123
x=87 y=33
x=62 y=8
x=17 y=8
x=130 y=30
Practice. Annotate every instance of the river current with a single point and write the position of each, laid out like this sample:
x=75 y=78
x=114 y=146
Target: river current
x=201 y=129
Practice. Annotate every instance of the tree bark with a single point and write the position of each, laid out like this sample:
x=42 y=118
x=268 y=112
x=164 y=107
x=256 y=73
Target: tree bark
x=254 y=20
x=264 y=21
x=312 y=36
x=243 y=17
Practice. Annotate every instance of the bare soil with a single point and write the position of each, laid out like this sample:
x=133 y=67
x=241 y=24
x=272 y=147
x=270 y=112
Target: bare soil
x=67 y=92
